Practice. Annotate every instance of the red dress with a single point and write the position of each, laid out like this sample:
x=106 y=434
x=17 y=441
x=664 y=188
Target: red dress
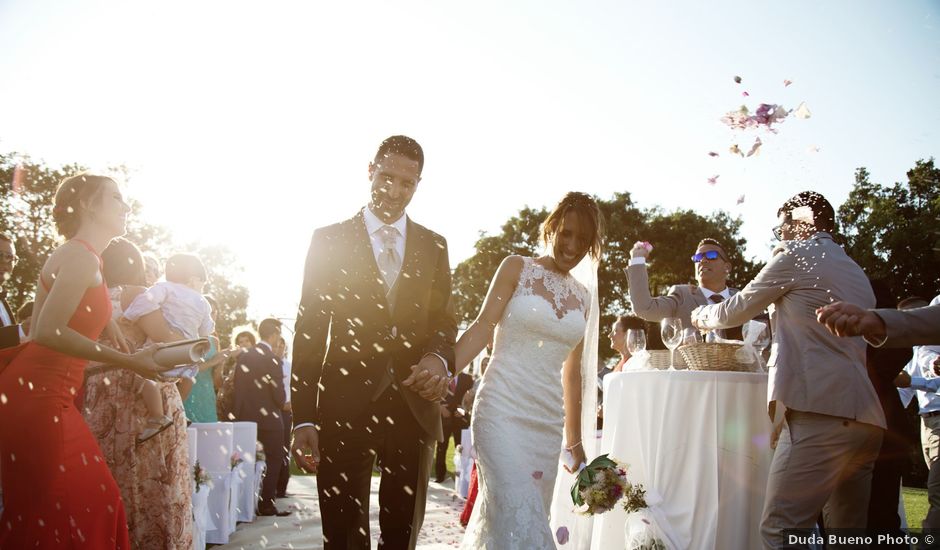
x=57 y=489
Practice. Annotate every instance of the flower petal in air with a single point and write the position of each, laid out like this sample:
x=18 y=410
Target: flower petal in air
x=561 y=535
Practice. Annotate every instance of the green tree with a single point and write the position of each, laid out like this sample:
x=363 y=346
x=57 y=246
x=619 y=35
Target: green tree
x=27 y=216
x=674 y=235
x=893 y=232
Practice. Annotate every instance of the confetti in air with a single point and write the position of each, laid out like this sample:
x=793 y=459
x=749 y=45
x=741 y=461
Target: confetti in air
x=713 y=180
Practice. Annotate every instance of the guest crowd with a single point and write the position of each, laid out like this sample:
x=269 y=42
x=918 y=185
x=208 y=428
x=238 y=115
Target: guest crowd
x=100 y=434
x=93 y=437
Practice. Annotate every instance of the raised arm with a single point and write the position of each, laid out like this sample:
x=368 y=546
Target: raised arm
x=480 y=333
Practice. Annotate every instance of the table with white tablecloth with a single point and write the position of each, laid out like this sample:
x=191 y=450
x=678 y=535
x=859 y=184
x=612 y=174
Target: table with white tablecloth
x=698 y=439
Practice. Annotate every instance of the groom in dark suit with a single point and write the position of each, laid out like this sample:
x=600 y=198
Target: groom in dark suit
x=373 y=356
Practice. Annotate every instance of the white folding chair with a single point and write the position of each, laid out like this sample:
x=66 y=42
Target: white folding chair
x=246 y=445
x=214 y=447
x=462 y=482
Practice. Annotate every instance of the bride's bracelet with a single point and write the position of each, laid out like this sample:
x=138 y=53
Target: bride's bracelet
x=572 y=447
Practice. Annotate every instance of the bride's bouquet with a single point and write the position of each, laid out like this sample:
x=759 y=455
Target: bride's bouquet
x=599 y=486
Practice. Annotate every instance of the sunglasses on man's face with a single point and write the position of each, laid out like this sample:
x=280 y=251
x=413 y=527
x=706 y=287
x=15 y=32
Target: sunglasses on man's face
x=707 y=255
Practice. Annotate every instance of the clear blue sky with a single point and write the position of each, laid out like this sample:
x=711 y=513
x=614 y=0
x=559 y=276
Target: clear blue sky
x=239 y=116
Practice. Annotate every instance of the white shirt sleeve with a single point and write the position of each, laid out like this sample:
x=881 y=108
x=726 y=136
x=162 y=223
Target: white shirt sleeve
x=146 y=302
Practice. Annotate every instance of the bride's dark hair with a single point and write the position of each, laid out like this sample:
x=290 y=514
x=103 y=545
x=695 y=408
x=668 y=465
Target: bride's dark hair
x=587 y=210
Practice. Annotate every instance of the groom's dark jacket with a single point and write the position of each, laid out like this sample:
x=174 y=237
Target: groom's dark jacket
x=348 y=336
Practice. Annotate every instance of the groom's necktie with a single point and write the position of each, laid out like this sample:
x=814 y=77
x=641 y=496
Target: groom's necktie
x=389 y=260
x=717 y=299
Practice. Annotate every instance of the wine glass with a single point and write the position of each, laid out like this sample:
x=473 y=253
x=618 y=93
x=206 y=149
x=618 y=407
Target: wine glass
x=636 y=344
x=636 y=341
x=761 y=341
x=671 y=331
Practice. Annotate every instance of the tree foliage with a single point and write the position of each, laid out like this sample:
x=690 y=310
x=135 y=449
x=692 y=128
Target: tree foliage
x=893 y=232
x=27 y=216
x=673 y=234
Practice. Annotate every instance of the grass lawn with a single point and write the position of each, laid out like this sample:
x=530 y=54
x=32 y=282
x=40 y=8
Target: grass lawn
x=295 y=471
x=915 y=506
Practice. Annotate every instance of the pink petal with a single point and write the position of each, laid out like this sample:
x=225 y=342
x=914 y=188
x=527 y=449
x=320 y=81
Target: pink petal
x=561 y=535
x=537 y=474
x=745 y=94
x=741 y=199
x=644 y=520
x=737 y=80
x=713 y=180
x=787 y=82
x=712 y=154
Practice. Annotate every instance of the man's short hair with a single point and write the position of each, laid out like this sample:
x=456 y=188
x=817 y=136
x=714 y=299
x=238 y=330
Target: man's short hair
x=181 y=267
x=268 y=327
x=713 y=242
x=401 y=145
x=913 y=302
x=824 y=217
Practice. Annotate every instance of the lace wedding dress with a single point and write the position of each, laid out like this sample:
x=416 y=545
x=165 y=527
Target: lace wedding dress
x=518 y=416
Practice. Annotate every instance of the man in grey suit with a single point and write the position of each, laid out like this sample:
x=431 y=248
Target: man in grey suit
x=830 y=420
x=712 y=269
x=883 y=327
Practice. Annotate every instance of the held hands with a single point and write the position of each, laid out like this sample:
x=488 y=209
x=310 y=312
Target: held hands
x=306 y=449
x=844 y=319
x=428 y=378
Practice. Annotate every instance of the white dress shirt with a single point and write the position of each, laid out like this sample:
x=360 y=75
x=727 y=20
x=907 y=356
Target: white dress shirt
x=374 y=228
x=286 y=368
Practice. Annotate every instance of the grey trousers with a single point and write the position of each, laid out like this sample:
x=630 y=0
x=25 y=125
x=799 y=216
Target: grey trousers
x=930 y=440
x=821 y=463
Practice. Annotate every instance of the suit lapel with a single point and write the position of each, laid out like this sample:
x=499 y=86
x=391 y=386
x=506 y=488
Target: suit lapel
x=699 y=297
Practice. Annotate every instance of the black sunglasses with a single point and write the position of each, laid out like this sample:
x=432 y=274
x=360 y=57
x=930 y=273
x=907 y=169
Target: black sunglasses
x=707 y=255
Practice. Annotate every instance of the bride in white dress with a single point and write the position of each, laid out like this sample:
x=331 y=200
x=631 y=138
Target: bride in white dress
x=531 y=394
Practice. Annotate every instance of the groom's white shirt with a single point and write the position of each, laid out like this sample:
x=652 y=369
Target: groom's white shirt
x=373 y=227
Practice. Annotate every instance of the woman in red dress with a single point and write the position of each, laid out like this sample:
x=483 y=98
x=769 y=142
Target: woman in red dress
x=57 y=490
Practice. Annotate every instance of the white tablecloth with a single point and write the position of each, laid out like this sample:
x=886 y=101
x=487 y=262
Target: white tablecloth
x=699 y=439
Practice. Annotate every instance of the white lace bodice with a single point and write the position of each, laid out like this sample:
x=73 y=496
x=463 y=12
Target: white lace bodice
x=518 y=415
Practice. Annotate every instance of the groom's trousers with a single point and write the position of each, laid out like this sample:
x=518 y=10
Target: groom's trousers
x=384 y=434
x=821 y=463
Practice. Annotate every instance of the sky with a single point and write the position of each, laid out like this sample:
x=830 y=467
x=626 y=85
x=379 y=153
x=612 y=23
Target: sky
x=252 y=123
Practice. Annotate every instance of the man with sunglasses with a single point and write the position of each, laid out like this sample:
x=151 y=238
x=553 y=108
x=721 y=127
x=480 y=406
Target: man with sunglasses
x=10 y=332
x=828 y=419
x=712 y=269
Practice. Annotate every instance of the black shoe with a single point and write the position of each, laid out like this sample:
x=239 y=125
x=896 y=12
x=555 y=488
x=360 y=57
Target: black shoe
x=273 y=511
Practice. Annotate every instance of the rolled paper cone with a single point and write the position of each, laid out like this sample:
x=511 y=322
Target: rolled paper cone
x=181 y=353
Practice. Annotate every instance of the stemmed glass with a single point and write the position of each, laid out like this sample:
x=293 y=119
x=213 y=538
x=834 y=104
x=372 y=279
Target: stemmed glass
x=762 y=340
x=636 y=341
x=671 y=331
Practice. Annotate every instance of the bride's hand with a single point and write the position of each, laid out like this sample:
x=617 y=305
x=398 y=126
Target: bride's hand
x=578 y=458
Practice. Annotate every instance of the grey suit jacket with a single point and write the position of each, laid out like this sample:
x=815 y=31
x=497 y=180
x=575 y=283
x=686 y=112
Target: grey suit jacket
x=810 y=369
x=912 y=327
x=679 y=301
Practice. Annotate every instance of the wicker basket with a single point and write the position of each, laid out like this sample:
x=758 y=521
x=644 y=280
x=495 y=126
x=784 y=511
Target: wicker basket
x=715 y=357
x=659 y=359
